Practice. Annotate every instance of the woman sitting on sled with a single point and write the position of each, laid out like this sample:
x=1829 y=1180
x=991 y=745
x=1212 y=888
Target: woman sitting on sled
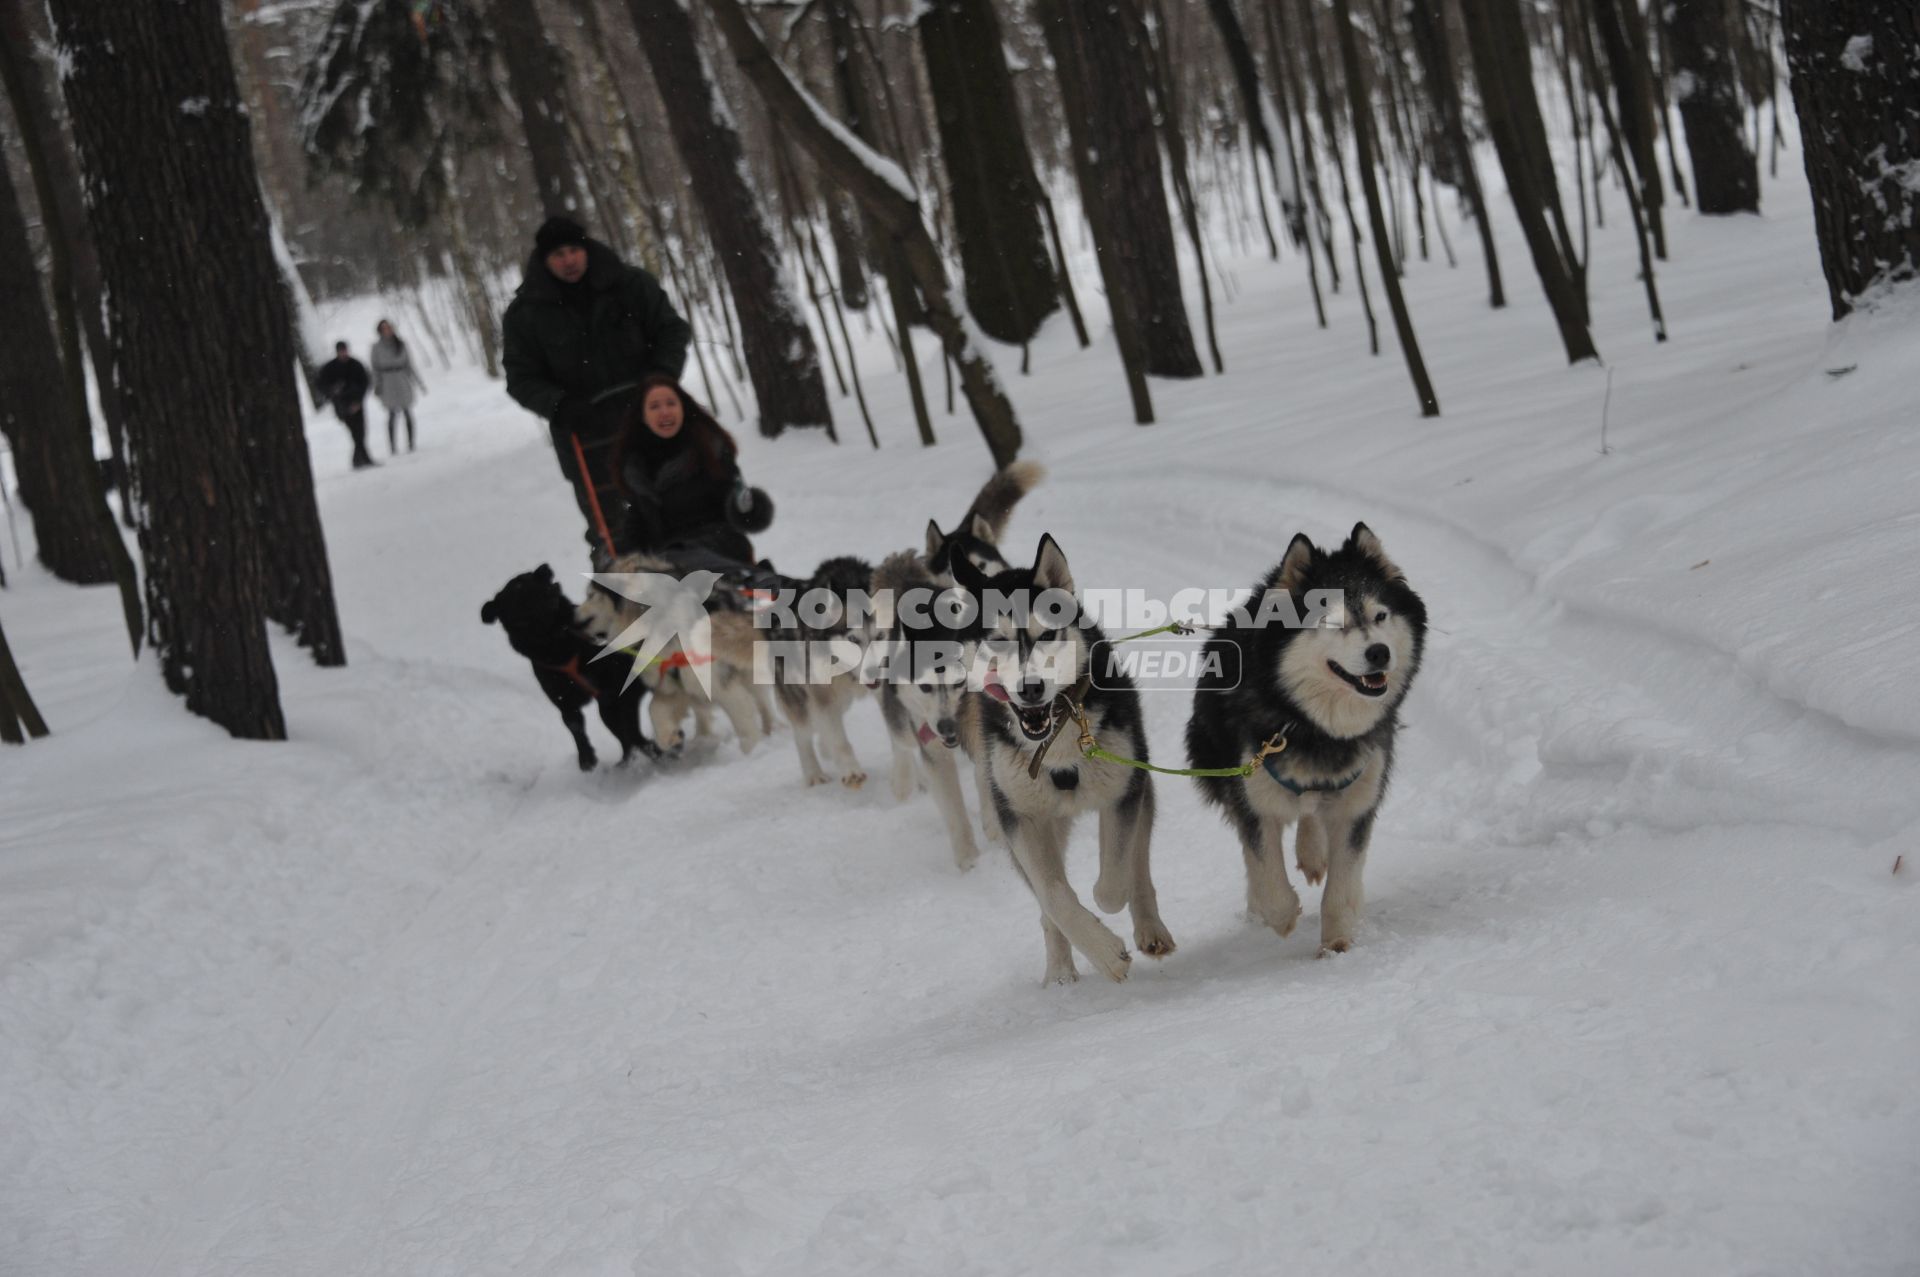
x=680 y=472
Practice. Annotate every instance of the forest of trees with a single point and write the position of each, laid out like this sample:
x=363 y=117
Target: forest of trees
x=792 y=168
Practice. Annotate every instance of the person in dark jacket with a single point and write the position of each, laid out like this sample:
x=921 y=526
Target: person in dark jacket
x=582 y=332
x=679 y=474
x=343 y=382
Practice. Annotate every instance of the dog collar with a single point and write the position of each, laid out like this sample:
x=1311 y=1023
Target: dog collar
x=1297 y=789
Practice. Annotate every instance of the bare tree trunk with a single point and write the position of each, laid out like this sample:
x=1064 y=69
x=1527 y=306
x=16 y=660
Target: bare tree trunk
x=23 y=24
x=1316 y=68
x=86 y=545
x=1511 y=107
x=1624 y=38
x=1246 y=78
x=73 y=533
x=782 y=362
x=885 y=194
x=1436 y=62
x=174 y=260
x=1167 y=99
x=1361 y=109
x=537 y=79
x=990 y=182
x=1726 y=176
x=19 y=718
x=1855 y=67
x=1118 y=162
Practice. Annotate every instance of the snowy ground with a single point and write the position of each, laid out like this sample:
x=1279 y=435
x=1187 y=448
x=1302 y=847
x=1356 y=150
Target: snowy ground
x=1638 y=992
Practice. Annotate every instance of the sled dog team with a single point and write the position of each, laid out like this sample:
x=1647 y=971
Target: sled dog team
x=1296 y=729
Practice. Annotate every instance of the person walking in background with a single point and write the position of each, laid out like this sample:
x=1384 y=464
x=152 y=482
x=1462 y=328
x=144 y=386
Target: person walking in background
x=343 y=382
x=394 y=383
x=582 y=332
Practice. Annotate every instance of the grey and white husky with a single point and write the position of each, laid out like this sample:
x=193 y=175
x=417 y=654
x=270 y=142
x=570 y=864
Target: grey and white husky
x=1326 y=699
x=1035 y=684
x=822 y=680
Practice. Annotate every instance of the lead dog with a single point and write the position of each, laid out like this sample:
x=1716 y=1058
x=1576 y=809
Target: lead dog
x=1037 y=684
x=1332 y=694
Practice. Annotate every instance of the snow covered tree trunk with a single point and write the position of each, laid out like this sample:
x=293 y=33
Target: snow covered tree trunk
x=1726 y=176
x=995 y=200
x=1855 y=67
x=1497 y=44
x=174 y=203
x=537 y=79
x=884 y=194
x=72 y=530
x=782 y=361
x=1103 y=78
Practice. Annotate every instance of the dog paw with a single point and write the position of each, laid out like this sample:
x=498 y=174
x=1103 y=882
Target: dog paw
x=902 y=785
x=588 y=762
x=1110 y=954
x=1331 y=947
x=1151 y=937
x=1313 y=873
x=965 y=856
x=853 y=780
x=816 y=779
x=1062 y=974
x=1281 y=915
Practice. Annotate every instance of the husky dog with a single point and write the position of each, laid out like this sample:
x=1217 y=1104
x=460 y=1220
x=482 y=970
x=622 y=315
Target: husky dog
x=816 y=690
x=976 y=538
x=1328 y=699
x=541 y=625
x=1037 y=684
x=921 y=702
x=677 y=692
x=920 y=674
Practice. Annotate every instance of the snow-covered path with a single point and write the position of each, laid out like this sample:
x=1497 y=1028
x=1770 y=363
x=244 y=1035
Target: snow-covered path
x=1637 y=990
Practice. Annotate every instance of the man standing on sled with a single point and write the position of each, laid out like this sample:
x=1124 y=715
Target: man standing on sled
x=582 y=333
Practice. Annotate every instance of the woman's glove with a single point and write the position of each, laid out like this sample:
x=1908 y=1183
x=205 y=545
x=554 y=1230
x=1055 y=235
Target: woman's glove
x=749 y=510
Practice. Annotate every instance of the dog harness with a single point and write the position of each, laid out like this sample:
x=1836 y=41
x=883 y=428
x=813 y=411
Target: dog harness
x=572 y=670
x=1299 y=789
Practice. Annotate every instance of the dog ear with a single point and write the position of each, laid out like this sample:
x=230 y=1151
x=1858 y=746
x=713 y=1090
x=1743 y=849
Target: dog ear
x=935 y=539
x=982 y=529
x=544 y=572
x=1363 y=540
x=489 y=613
x=1050 y=571
x=1294 y=564
x=967 y=575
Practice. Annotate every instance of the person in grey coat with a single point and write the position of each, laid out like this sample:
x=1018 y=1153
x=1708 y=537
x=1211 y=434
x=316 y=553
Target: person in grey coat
x=395 y=383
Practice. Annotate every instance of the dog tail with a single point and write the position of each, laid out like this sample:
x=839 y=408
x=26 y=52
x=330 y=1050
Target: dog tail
x=994 y=505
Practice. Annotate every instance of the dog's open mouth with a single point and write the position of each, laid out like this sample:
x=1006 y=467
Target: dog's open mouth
x=1374 y=684
x=1036 y=721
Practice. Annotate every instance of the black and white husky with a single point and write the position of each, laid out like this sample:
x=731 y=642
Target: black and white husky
x=919 y=662
x=1327 y=696
x=1036 y=684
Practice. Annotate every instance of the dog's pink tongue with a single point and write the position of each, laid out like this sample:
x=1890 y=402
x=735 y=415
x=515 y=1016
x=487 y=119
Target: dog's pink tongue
x=995 y=690
x=925 y=734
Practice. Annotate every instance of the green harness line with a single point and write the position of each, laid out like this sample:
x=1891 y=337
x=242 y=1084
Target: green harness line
x=1091 y=750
